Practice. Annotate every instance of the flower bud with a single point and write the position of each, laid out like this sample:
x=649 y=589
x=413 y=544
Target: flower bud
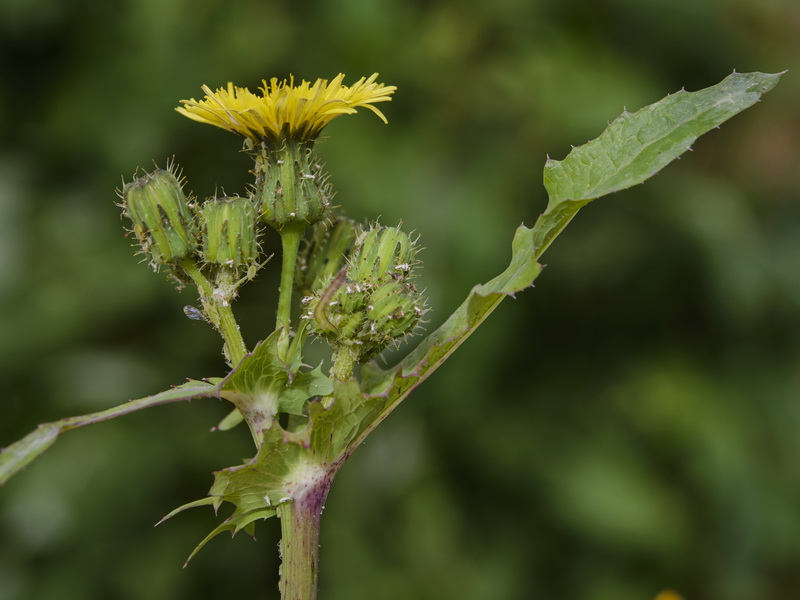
x=384 y=254
x=162 y=220
x=326 y=254
x=229 y=231
x=371 y=302
x=291 y=186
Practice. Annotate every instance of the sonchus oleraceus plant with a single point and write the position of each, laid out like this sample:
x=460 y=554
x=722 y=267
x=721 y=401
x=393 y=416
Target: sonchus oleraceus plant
x=350 y=284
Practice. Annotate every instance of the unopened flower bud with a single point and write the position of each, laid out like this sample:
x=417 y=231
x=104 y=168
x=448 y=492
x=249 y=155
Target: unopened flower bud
x=162 y=220
x=291 y=186
x=229 y=231
x=371 y=302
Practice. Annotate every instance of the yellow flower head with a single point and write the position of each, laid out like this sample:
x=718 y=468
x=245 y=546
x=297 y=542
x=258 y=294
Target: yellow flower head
x=284 y=110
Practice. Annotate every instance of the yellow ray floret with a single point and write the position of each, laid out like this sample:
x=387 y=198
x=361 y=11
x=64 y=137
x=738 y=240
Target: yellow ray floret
x=283 y=110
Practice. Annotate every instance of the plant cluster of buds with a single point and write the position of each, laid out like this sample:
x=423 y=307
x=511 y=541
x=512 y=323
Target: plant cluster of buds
x=355 y=282
x=290 y=188
x=171 y=229
x=365 y=302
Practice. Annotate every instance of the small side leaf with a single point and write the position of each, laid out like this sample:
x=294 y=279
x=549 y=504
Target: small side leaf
x=264 y=385
x=19 y=454
x=305 y=385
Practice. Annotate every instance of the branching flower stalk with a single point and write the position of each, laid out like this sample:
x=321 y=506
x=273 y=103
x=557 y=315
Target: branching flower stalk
x=352 y=285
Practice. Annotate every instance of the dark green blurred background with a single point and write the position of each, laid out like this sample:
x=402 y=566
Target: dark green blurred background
x=628 y=425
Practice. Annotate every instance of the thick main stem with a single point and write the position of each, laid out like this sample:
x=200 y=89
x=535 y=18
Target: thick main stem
x=300 y=521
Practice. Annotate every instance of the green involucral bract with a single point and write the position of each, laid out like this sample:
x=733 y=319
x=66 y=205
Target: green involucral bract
x=292 y=188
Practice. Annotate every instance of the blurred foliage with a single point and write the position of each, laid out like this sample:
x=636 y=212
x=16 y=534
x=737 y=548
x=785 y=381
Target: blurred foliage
x=629 y=425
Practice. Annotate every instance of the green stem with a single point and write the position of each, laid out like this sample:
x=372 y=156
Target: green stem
x=300 y=522
x=290 y=243
x=218 y=310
